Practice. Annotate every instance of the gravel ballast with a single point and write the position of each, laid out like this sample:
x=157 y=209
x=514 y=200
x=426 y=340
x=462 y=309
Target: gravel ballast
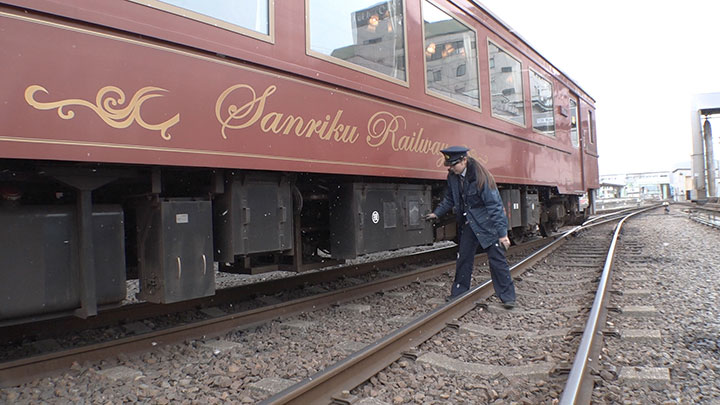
x=684 y=290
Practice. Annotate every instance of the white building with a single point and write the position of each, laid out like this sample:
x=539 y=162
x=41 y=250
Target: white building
x=643 y=186
x=681 y=184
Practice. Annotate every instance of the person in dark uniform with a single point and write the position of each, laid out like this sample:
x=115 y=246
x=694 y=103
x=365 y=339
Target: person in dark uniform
x=481 y=220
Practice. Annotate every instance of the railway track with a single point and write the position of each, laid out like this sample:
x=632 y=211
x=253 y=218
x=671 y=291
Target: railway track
x=288 y=286
x=141 y=327
x=708 y=215
x=200 y=333
x=558 y=289
x=661 y=340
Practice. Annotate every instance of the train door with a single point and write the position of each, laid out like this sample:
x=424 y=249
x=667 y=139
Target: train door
x=575 y=136
x=588 y=150
x=589 y=147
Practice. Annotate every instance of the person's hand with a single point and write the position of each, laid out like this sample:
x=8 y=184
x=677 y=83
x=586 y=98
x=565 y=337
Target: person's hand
x=505 y=241
x=430 y=216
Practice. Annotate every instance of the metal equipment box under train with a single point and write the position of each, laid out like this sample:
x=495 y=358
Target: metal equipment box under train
x=40 y=270
x=366 y=218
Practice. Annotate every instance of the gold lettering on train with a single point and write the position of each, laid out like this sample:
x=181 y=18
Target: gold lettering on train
x=384 y=126
x=240 y=107
x=109 y=107
x=239 y=116
x=239 y=113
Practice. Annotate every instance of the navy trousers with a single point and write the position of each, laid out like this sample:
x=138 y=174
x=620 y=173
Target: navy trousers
x=499 y=269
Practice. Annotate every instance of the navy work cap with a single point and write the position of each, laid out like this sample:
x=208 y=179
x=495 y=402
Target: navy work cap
x=454 y=154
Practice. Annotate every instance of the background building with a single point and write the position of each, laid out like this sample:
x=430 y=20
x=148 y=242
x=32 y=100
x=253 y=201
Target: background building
x=675 y=185
x=611 y=190
x=681 y=184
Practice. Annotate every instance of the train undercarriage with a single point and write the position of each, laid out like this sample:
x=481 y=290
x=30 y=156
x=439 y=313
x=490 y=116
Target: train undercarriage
x=72 y=234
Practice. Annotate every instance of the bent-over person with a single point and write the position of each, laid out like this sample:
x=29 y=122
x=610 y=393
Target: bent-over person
x=481 y=220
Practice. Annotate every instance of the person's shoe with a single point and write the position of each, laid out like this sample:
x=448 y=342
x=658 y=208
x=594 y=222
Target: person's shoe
x=509 y=304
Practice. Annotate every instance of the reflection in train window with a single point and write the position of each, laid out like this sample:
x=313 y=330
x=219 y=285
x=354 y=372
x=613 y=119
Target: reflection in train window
x=252 y=15
x=541 y=96
x=361 y=34
x=450 y=48
x=574 y=124
x=506 y=87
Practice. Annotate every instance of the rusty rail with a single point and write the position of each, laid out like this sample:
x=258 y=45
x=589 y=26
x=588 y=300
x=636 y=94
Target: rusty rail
x=579 y=385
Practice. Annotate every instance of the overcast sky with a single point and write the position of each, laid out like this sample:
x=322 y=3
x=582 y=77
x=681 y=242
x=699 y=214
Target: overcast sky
x=641 y=61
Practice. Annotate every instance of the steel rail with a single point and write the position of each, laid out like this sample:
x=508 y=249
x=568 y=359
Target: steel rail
x=609 y=214
x=46 y=328
x=714 y=207
x=327 y=385
x=132 y=312
x=708 y=216
x=16 y=371
x=613 y=216
x=712 y=224
x=578 y=388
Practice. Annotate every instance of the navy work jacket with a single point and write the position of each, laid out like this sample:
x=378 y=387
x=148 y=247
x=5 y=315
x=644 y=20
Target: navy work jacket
x=483 y=209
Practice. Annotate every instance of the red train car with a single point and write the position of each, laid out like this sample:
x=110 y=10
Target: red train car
x=151 y=139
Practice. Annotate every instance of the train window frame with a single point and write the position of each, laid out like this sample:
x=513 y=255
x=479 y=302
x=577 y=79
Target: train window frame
x=591 y=129
x=215 y=22
x=349 y=65
x=532 y=71
x=574 y=113
x=522 y=84
x=435 y=94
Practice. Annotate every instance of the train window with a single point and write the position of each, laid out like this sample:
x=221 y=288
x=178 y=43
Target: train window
x=591 y=127
x=541 y=97
x=450 y=48
x=574 y=138
x=506 y=87
x=252 y=17
x=360 y=34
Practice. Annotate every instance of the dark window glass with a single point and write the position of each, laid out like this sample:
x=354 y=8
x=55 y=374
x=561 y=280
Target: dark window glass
x=541 y=96
x=506 y=87
x=363 y=33
x=449 y=47
x=574 y=138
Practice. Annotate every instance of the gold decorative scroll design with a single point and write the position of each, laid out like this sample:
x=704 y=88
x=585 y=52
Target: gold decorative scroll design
x=109 y=106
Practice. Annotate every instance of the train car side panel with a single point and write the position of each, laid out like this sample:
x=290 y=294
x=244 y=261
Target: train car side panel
x=157 y=105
